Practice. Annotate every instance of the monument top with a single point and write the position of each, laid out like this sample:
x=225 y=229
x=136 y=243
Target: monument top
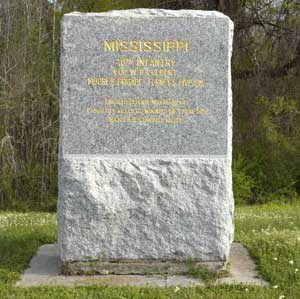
x=146 y=81
x=145 y=12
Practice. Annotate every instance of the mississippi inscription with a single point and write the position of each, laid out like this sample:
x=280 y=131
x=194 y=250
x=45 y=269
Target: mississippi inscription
x=154 y=72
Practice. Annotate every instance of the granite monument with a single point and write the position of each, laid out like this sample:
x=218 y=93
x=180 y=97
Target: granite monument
x=145 y=140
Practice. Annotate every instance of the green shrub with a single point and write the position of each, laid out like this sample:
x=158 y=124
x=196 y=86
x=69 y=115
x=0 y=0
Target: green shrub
x=33 y=188
x=243 y=184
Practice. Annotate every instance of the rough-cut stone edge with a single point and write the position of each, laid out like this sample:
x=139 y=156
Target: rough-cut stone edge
x=229 y=122
x=136 y=159
x=153 y=12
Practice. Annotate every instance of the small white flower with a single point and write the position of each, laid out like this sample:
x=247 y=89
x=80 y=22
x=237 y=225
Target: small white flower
x=275 y=259
x=296 y=270
x=176 y=289
x=281 y=297
x=275 y=287
x=291 y=262
x=247 y=290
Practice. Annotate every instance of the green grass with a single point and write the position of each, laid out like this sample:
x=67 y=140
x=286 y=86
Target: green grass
x=271 y=233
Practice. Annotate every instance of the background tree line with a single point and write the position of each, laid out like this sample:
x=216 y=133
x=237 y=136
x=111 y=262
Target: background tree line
x=266 y=96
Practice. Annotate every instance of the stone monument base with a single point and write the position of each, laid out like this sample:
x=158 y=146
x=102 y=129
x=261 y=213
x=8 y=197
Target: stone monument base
x=45 y=270
x=140 y=267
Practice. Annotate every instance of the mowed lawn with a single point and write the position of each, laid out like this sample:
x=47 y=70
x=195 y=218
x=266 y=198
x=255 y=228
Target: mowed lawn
x=270 y=232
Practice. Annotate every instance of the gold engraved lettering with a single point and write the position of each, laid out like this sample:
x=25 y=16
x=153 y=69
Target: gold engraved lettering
x=147 y=46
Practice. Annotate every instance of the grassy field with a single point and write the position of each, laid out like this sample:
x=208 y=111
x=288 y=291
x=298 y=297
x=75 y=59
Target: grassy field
x=270 y=232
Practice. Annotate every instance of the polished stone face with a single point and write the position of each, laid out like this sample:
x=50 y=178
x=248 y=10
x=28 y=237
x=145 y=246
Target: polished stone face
x=145 y=84
x=145 y=136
